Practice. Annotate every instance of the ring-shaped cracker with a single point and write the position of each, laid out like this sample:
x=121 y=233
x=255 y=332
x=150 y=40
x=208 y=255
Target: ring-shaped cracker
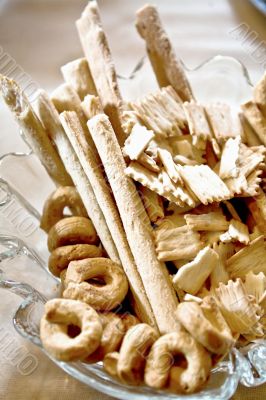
x=59 y=315
x=99 y=282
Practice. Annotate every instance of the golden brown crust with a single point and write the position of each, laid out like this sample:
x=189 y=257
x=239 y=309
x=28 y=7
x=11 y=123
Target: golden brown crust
x=99 y=282
x=62 y=256
x=59 y=315
x=206 y=324
x=161 y=359
x=72 y=230
x=53 y=210
x=113 y=333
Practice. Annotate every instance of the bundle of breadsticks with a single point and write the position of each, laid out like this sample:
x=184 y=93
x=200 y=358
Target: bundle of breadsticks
x=162 y=255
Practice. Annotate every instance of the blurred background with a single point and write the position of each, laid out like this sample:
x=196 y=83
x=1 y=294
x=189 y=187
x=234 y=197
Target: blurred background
x=40 y=36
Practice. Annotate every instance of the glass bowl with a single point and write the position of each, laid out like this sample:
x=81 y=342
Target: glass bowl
x=23 y=253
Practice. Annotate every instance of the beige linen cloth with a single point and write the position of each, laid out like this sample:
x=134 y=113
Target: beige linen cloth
x=41 y=36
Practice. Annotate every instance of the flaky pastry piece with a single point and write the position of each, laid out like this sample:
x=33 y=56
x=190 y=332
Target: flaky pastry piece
x=221 y=121
x=255 y=285
x=161 y=112
x=198 y=124
x=220 y=273
x=167 y=160
x=250 y=258
x=129 y=118
x=205 y=322
x=230 y=158
x=257 y=207
x=213 y=221
x=177 y=244
x=137 y=141
x=183 y=146
x=240 y=312
x=190 y=277
x=151 y=180
x=250 y=164
x=237 y=232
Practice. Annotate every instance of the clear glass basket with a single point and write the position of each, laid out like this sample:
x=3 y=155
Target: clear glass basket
x=24 y=186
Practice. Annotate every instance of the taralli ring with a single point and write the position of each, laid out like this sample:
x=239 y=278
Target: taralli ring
x=62 y=256
x=206 y=324
x=61 y=315
x=113 y=333
x=161 y=359
x=72 y=230
x=108 y=284
x=53 y=211
x=130 y=363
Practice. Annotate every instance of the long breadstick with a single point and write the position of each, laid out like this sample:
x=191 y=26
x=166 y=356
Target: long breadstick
x=166 y=66
x=77 y=74
x=50 y=118
x=34 y=132
x=97 y=52
x=79 y=140
x=65 y=98
x=91 y=106
x=137 y=226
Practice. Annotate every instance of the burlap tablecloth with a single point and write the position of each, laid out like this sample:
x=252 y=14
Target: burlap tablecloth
x=41 y=36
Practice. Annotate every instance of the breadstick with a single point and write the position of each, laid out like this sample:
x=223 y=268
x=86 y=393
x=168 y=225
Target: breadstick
x=36 y=135
x=137 y=226
x=65 y=98
x=50 y=120
x=77 y=74
x=166 y=66
x=97 y=51
x=91 y=106
x=80 y=143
